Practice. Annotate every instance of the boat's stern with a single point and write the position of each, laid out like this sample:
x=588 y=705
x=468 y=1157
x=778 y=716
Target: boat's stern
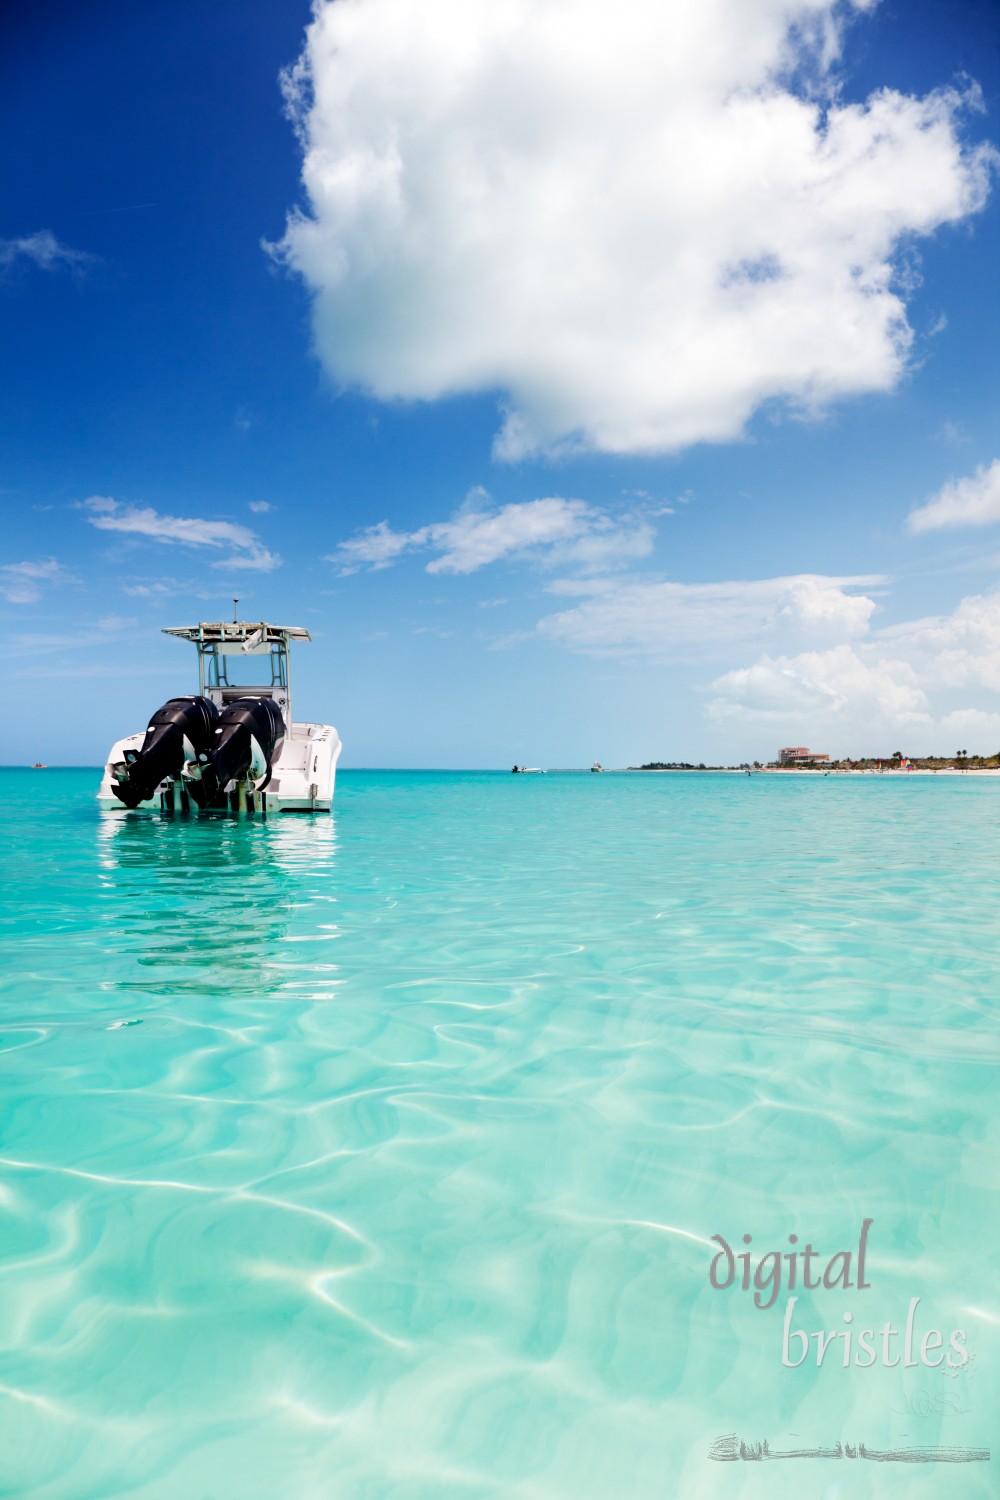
x=117 y=757
x=305 y=770
x=302 y=779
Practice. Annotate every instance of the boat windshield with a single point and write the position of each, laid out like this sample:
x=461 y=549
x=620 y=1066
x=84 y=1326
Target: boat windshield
x=221 y=667
x=240 y=658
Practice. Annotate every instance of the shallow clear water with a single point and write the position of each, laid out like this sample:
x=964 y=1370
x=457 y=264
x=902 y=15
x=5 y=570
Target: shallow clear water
x=379 y=1155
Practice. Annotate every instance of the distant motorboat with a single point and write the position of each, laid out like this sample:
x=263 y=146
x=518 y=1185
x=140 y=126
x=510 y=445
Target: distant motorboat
x=39 y=766
x=234 y=746
x=527 y=771
x=597 y=766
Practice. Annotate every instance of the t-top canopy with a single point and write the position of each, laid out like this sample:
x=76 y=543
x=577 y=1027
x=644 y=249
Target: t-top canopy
x=239 y=635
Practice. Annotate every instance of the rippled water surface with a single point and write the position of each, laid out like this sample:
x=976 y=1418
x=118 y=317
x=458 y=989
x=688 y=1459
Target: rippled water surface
x=379 y=1155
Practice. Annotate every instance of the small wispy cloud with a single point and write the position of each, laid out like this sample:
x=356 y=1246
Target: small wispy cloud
x=43 y=250
x=21 y=583
x=260 y=507
x=553 y=531
x=971 y=501
x=89 y=633
x=147 y=590
x=157 y=590
x=376 y=547
x=248 y=552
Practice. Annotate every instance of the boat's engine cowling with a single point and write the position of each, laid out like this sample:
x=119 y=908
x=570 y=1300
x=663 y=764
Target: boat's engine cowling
x=243 y=748
x=179 y=731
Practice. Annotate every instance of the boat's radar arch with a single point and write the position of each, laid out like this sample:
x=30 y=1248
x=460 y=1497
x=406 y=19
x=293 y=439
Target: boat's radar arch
x=222 y=641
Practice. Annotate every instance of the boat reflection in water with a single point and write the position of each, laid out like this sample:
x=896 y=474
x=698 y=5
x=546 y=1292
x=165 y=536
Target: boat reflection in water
x=214 y=907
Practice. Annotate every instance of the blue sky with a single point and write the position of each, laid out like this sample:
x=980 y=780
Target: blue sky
x=617 y=385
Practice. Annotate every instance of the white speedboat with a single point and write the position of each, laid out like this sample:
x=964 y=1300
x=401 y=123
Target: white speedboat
x=235 y=746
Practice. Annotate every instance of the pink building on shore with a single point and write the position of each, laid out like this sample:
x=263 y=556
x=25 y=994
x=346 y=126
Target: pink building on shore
x=798 y=755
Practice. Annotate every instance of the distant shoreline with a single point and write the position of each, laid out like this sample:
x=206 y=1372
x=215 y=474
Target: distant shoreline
x=916 y=771
x=975 y=771
x=803 y=771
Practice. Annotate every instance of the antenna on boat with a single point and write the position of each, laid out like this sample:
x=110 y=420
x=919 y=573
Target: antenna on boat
x=235 y=615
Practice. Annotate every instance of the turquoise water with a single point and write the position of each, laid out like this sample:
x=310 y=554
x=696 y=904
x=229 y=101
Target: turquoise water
x=379 y=1155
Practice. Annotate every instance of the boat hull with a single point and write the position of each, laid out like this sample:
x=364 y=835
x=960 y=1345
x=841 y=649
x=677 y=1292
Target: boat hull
x=303 y=774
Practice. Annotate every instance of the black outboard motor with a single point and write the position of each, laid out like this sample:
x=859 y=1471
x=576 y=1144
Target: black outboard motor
x=250 y=731
x=182 y=729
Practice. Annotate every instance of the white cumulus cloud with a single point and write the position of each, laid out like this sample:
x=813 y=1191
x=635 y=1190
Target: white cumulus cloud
x=971 y=501
x=660 y=620
x=956 y=650
x=912 y=681
x=818 y=688
x=635 y=224
x=247 y=551
x=553 y=530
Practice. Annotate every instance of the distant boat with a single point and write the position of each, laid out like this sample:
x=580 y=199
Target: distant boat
x=527 y=771
x=597 y=766
x=38 y=766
